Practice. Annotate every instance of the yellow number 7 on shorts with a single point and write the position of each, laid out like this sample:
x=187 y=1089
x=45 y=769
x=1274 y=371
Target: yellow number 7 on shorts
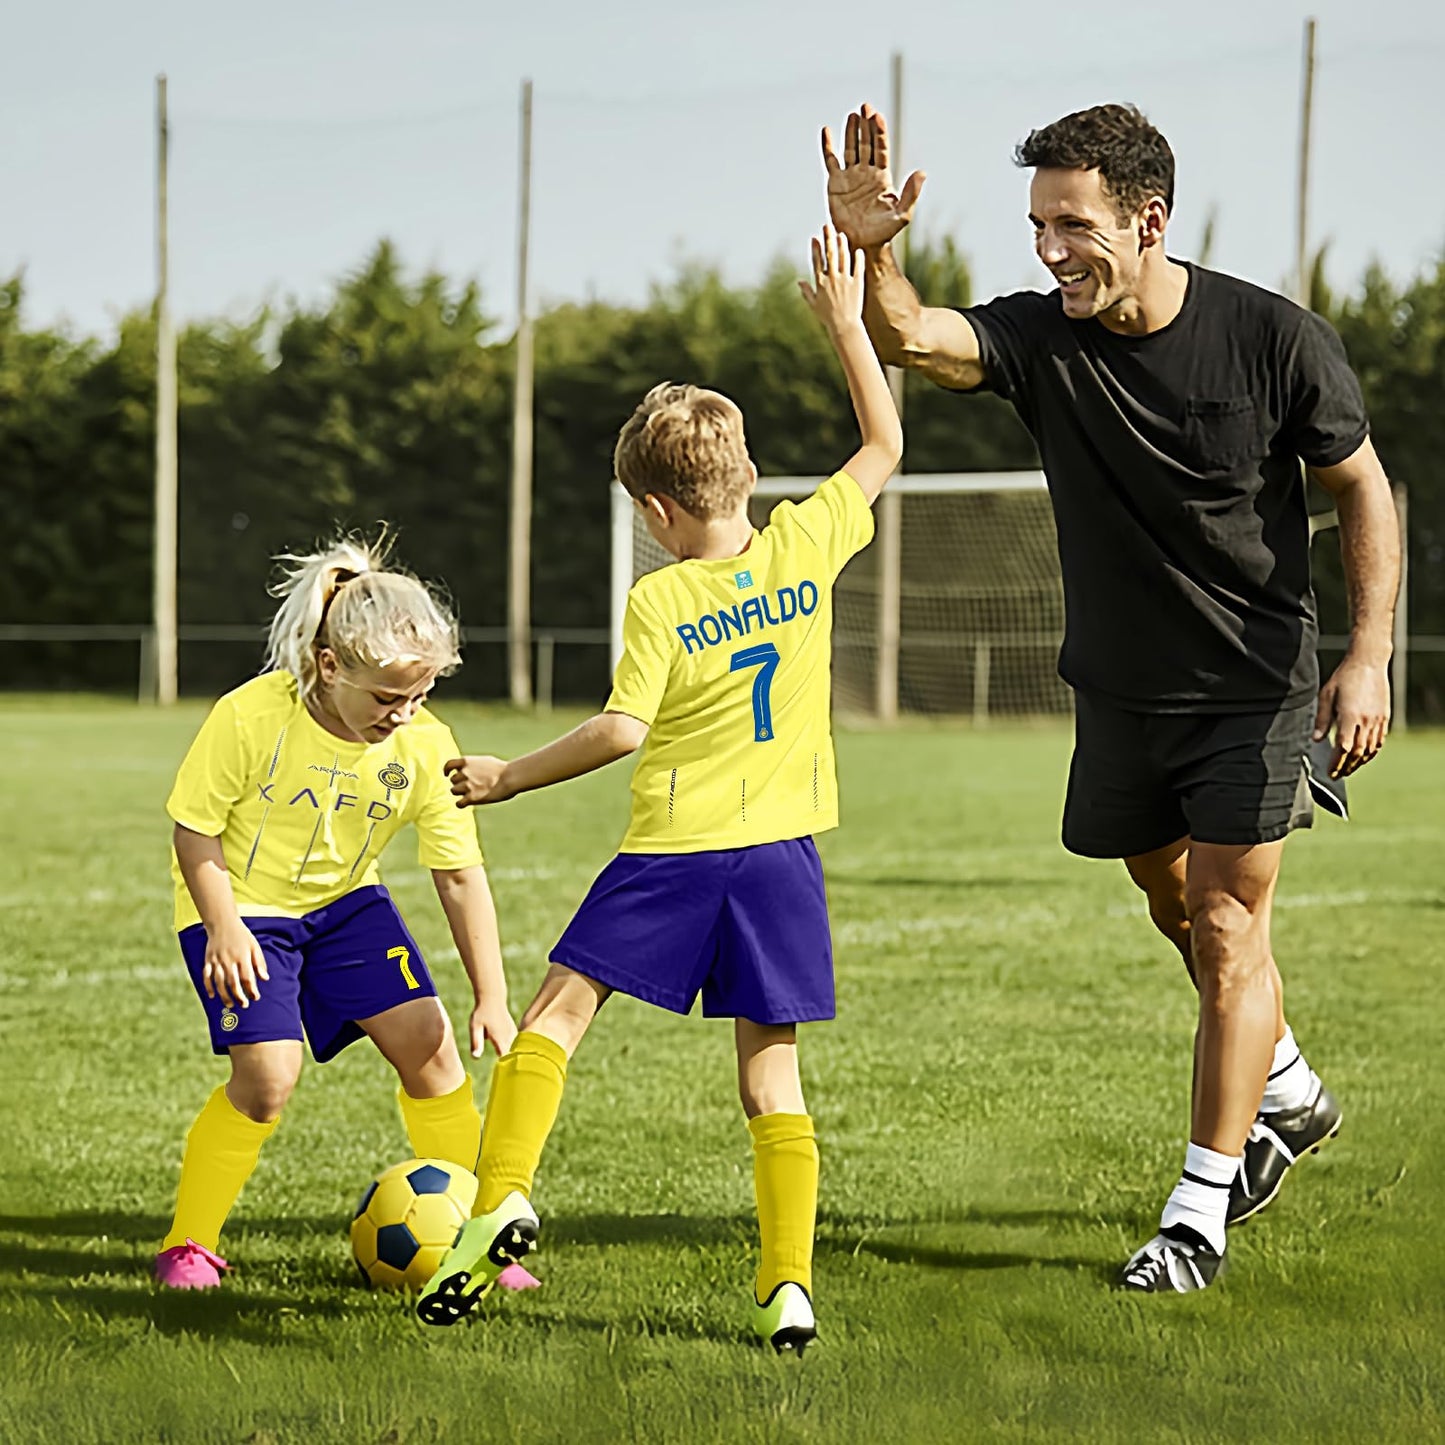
x=403 y=957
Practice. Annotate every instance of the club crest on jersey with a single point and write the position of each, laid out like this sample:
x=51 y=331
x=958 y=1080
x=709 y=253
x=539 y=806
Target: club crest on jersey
x=393 y=776
x=743 y=579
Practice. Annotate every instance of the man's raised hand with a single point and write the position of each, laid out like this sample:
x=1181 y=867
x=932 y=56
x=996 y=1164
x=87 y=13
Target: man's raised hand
x=861 y=199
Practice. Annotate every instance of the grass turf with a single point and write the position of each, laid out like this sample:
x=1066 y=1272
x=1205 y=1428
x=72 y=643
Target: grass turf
x=1001 y=1106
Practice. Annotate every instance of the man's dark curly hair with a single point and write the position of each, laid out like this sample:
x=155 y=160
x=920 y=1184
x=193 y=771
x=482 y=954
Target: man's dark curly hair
x=1132 y=158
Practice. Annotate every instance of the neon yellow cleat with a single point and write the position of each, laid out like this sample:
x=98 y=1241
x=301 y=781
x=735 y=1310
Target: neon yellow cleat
x=484 y=1247
x=785 y=1319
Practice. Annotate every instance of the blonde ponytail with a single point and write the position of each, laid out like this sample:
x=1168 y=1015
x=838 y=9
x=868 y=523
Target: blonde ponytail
x=346 y=598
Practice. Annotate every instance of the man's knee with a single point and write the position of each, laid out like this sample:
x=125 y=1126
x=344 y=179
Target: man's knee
x=1230 y=947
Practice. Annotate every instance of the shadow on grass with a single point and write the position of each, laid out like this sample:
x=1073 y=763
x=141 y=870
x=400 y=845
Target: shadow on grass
x=656 y=1324
x=686 y=1229
x=942 y=1257
x=314 y=1280
x=115 y=1224
x=236 y=1314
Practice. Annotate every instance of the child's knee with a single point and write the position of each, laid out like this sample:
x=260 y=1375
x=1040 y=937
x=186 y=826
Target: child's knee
x=261 y=1099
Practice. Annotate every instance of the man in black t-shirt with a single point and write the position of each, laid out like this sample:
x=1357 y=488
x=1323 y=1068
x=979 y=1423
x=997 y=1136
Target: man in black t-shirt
x=1172 y=407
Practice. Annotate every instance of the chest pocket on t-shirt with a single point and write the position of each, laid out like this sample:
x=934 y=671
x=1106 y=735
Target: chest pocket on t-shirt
x=1220 y=435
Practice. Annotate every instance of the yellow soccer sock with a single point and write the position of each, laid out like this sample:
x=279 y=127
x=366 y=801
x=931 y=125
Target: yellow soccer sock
x=785 y=1176
x=221 y=1152
x=446 y=1127
x=521 y=1109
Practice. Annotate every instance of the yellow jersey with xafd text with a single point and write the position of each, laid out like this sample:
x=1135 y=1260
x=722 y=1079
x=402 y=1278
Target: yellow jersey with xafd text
x=303 y=815
x=728 y=661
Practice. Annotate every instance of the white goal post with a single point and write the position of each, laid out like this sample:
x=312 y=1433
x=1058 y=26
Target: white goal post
x=956 y=609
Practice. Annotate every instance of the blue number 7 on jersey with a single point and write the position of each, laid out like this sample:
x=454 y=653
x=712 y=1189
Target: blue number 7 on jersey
x=765 y=658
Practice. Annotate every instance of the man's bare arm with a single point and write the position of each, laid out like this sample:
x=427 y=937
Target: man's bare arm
x=934 y=341
x=1356 y=699
x=931 y=340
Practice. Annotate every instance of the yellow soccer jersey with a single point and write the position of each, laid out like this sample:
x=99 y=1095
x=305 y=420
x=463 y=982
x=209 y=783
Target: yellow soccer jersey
x=729 y=662
x=302 y=815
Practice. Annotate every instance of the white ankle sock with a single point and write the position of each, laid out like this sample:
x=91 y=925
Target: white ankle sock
x=1201 y=1198
x=1291 y=1083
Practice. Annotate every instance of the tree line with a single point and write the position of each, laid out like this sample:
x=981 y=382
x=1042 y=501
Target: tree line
x=391 y=399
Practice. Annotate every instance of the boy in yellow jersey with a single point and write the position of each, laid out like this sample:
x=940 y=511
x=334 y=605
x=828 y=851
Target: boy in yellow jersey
x=295 y=784
x=717 y=888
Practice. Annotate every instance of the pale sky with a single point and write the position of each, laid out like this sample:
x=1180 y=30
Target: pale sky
x=304 y=131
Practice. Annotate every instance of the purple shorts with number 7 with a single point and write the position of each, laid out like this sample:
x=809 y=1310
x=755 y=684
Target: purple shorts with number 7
x=346 y=961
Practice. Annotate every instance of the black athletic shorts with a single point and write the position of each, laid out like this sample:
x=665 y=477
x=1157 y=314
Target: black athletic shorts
x=1139 y=781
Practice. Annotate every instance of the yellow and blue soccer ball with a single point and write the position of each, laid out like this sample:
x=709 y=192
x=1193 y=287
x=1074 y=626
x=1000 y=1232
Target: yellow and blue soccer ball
x=407 y=1219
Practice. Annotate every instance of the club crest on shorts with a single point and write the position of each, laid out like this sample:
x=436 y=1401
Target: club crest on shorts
x=393 y=776
x=230 y=1020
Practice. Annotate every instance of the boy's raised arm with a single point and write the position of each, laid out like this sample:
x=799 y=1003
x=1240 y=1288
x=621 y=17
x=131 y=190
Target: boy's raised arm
x=836 y=299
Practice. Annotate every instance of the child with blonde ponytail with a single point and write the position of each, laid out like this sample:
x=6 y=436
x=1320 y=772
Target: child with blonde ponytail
x=294 y=785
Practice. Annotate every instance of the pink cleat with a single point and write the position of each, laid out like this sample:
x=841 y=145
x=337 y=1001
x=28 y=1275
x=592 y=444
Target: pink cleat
x=515 y=1277
x=189 y=1266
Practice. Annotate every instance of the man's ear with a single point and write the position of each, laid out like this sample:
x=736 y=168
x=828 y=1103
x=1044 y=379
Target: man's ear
x=1153 y=218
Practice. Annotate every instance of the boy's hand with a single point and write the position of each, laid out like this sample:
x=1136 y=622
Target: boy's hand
x=836 y=295
x=234 y=963
x=491 y=1023
x=478 y=780
x=861 y=198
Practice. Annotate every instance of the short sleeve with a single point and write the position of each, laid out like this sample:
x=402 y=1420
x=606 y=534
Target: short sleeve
x=1325 y=419
x=1009 y=330
x=214 y=775
x=641 y=676
x=838 y=520
x=446 y=835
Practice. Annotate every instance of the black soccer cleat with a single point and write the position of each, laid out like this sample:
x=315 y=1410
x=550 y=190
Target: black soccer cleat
x=1175 y=1261
x=1275 y=1143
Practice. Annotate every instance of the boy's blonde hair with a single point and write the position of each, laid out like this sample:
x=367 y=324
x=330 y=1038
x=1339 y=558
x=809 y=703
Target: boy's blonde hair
x=346 y=598
x=686 y=443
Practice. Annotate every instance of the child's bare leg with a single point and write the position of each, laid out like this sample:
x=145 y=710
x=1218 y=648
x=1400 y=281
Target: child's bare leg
x=437 y=1104
x=564 y=1007
x=785 y=1176
x=262 y=1078
x=768 y=1078
x=416 y=1039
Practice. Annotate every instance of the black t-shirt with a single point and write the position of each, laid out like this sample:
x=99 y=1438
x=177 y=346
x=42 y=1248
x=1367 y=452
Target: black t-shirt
x=1180 y=507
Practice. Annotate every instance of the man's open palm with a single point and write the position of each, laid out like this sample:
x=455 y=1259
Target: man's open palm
x=861 y=199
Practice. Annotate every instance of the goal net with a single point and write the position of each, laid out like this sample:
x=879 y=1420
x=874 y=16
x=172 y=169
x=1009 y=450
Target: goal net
x=956 y=608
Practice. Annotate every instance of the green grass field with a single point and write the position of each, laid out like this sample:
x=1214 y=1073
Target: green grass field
x=1001 y=1106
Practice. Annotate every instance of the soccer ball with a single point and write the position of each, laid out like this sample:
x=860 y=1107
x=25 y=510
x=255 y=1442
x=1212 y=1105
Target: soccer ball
x=407 y=1219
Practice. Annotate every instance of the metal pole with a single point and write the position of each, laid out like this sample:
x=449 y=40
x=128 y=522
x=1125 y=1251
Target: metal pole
x=519 y=591
x=622 y=510
x=163 y=565
x=1400 y=659
x=889 y=519
x=1307 y=97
